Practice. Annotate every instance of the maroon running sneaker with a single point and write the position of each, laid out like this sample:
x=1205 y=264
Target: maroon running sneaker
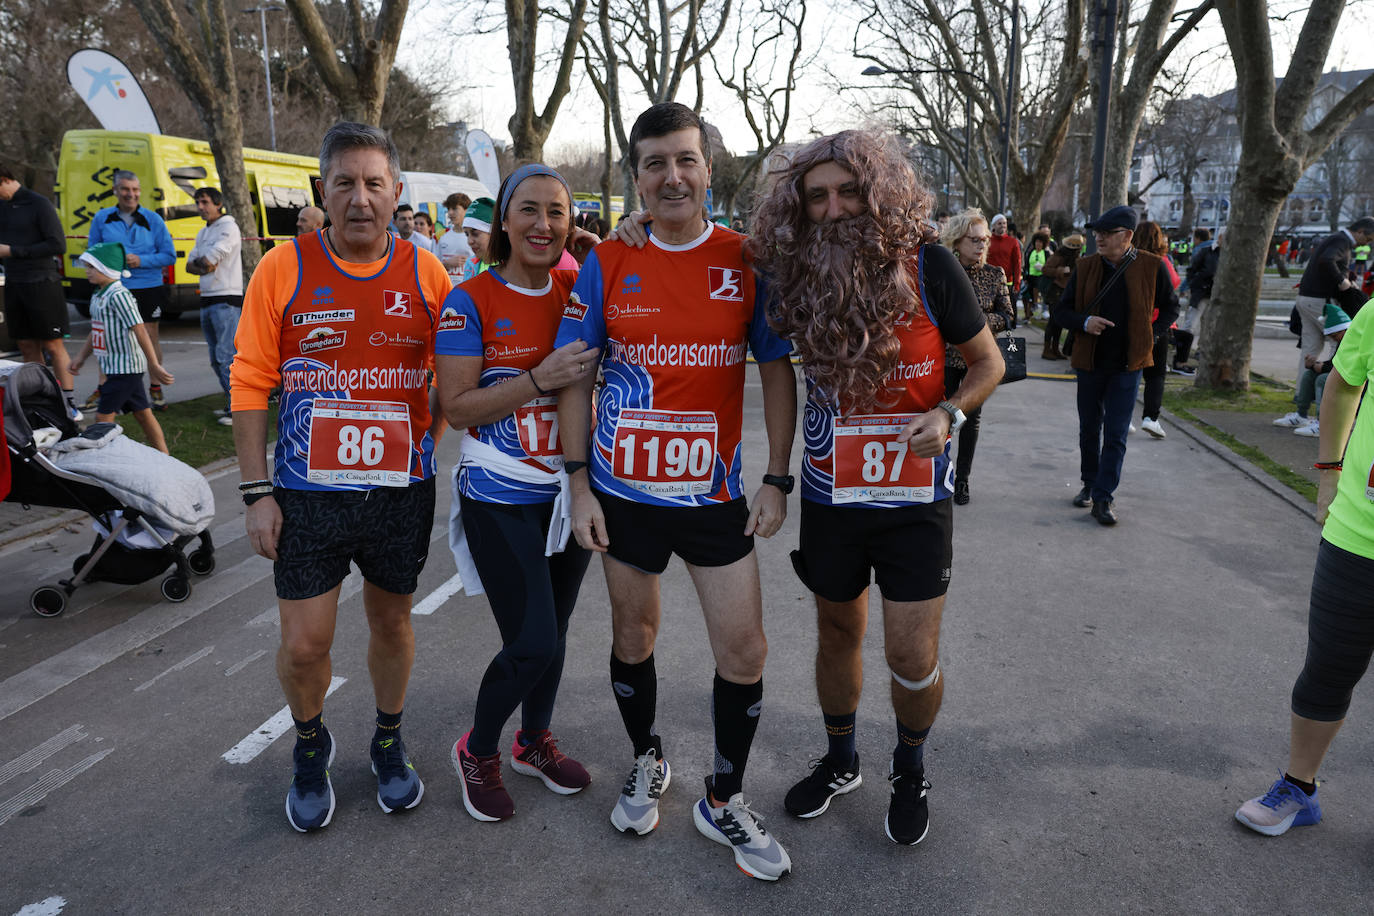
x=542 y=758
x=484 y=795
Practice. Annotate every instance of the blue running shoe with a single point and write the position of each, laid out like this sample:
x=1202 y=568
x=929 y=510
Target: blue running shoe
x=398 y=785
x=1283 y=806
x=310 y=800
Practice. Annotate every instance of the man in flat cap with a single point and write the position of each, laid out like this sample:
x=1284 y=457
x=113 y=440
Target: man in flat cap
x=1120 y=299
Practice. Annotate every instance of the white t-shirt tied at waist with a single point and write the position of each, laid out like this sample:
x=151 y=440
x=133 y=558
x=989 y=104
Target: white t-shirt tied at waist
x=478 y=454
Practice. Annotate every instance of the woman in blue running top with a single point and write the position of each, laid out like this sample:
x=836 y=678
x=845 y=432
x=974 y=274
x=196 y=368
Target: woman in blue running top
x=499 y=375
x=1340 y=617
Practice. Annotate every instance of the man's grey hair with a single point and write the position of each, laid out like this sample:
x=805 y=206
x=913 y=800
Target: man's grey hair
x=350 y=135
x=123 y=175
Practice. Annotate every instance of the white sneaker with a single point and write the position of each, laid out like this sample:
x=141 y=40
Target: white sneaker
x=757 y=853
x=1312 y=430
x=73 y=412
x=637 y=806
x=1131 y=428
x=225 y=421
x=1152 y=427
x=1292 y=419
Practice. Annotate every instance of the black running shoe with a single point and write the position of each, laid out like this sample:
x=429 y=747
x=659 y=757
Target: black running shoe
x=908 y=820
x=811 y=796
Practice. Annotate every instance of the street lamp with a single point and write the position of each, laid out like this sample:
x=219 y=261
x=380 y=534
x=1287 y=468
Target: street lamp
x=1004 y=113
x=262 y=12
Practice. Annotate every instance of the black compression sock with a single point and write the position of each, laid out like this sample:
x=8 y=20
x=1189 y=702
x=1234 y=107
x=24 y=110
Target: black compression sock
x=735 y=711
x=636 y=694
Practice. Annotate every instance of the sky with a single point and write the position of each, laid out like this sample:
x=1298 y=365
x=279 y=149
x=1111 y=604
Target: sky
x=480 y=72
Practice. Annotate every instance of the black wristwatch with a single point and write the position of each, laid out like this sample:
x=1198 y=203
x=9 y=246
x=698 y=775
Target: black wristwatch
x=785 y=484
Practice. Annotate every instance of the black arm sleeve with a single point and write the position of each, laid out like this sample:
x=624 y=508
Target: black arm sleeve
x=950 y=296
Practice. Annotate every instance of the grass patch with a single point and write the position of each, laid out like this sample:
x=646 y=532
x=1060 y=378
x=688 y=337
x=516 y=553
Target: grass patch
x=1265 y=396
x=193 y=435
x=1290 y=478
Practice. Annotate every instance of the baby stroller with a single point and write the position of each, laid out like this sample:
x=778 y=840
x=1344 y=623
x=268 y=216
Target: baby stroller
x=147 y=506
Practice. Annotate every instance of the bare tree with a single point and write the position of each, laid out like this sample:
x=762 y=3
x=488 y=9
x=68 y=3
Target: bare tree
x=768 y=39
x=657 y=45
x=922 y=42
x=1181 y=142
x=1147 y=49
x=205 y=69
x=1276 y=149
x=529 y=129
x=356 y=73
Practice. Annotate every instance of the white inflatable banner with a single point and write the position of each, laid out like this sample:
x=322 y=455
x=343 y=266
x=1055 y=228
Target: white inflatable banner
x=482 y=152
x=111 y=92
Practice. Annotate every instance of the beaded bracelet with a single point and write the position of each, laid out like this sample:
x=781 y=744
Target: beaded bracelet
x=251 y=484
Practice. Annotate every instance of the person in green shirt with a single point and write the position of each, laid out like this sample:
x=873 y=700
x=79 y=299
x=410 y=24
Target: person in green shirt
x=1340 y=628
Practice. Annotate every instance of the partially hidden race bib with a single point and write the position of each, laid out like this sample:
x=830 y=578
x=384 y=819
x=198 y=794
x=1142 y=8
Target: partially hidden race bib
x=536 y=423
x=872 y=466
x=356 y=443
x=666 y=452
x=98 y=338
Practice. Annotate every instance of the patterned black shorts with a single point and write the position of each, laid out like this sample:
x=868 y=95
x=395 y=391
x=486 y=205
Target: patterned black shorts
x=384 y=530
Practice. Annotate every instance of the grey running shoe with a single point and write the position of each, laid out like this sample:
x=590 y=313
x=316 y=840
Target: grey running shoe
x=637 y=807
x=310 y=800
x=1283 y=806
x=398 y=785
x=757 y=853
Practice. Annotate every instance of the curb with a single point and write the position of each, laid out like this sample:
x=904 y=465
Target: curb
x=1261 y=477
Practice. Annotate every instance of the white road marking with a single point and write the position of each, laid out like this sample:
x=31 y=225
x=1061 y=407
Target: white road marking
x=46 y=784
x=239 y=666
x=32 y=758
x=188 y=660
x=52 y=674
x=435 y=599
x=50 y=907
x=270 y=731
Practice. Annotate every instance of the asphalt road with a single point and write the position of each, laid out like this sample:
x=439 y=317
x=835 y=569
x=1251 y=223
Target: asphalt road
x=1112 y=696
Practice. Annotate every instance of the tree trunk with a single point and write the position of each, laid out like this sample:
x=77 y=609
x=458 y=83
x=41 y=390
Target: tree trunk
x=528 y=129
x=356 y=80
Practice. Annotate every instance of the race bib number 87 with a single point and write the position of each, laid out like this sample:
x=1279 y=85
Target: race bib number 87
x=872 y=466
x=359 y=443
x=666 y=453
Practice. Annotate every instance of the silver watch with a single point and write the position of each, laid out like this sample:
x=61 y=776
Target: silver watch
x=956 y=416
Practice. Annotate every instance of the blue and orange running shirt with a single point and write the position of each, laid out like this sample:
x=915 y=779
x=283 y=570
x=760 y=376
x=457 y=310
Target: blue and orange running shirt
x=856 y=460
x=512 y=329
x=674 y=323
x=351 y=346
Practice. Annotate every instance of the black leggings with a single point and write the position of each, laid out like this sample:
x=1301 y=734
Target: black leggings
x=968 y=433
x=1154 y=379
x=531 y=597
x=1340 y=634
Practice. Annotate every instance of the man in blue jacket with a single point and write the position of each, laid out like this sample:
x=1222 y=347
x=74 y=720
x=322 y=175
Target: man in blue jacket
x=148 y=251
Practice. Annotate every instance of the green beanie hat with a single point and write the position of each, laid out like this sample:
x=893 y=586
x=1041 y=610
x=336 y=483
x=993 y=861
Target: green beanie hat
x=478 y=216
x=107 y=257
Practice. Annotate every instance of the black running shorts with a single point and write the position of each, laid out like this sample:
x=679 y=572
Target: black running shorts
x=123 y=393
x=152 y=302
x=385 y=531
x=36 y=311
x=646 y=537
x=909 y=550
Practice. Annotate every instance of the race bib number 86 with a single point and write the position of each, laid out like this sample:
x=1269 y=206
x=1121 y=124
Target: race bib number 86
x=359 y=443
x=872 y=466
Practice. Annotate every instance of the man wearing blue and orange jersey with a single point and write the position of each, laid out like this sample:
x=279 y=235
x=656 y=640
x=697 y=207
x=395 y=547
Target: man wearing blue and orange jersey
x=870 y=308
x=343 y=319
x=662 y=472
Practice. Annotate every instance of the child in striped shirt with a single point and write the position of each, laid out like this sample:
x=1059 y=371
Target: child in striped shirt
x=115 y=328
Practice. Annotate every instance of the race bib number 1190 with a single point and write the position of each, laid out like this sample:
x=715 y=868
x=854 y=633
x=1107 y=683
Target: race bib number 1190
x=665 y=452
x=359 y=443
x=872 y=466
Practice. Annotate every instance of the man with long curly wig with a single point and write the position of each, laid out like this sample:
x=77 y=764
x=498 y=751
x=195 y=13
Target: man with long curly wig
x=869 y=308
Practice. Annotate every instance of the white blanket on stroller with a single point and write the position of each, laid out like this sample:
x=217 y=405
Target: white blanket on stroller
x=168 y=490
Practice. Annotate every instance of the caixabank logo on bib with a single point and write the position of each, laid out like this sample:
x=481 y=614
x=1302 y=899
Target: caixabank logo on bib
x=323 y=339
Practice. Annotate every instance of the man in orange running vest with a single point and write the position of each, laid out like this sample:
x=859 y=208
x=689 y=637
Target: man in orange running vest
x=343 y=319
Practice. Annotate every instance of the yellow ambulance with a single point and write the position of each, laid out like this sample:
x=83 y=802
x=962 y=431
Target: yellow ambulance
x=169 y=169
